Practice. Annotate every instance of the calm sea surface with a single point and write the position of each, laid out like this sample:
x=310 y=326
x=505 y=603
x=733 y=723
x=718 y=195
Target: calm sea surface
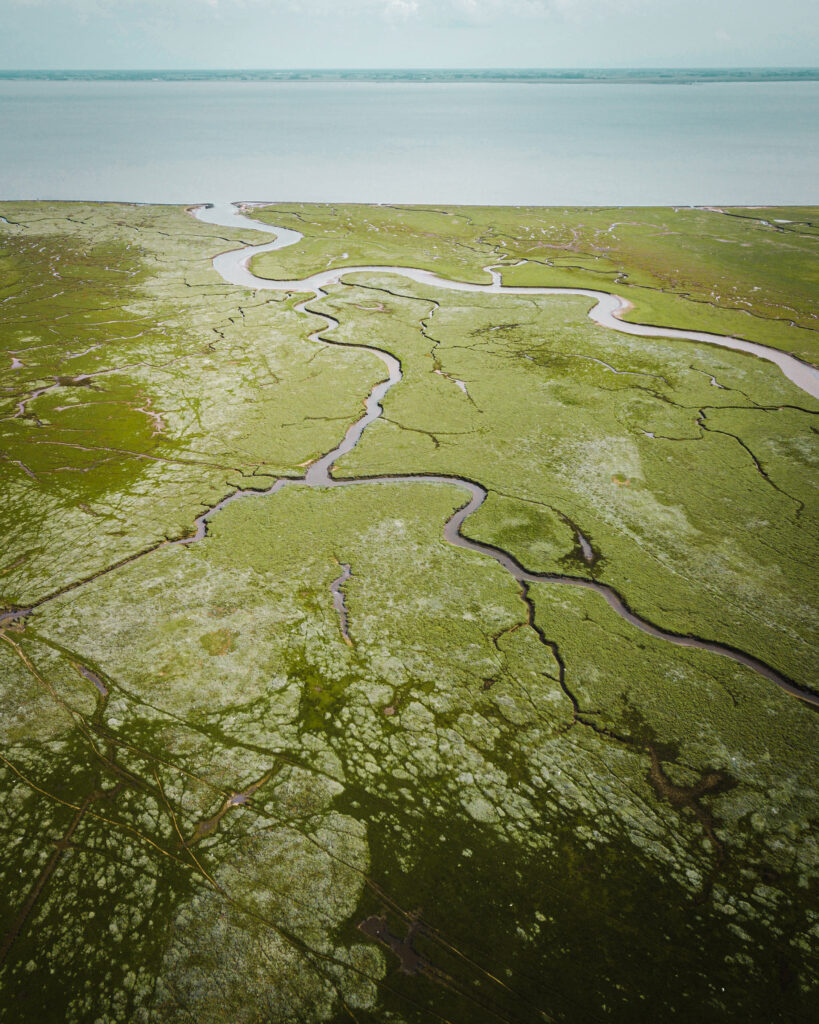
x=171 y=141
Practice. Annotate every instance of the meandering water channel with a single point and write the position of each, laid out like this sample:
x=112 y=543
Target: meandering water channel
x=233 y=267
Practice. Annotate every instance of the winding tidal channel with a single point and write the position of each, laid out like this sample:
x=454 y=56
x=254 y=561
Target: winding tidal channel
x=233 y=267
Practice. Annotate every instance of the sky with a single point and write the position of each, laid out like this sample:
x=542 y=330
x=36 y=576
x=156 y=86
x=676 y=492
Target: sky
x=182 y=34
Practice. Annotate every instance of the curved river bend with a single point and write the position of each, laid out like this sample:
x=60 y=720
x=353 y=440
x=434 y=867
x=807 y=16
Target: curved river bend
x=233 y=267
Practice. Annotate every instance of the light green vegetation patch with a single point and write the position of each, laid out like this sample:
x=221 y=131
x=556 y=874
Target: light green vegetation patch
x=487 y=802
x=138 y=389
x=745 y=272
x=698 y=500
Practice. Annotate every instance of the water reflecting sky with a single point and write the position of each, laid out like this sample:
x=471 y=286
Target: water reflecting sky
x=423 y=143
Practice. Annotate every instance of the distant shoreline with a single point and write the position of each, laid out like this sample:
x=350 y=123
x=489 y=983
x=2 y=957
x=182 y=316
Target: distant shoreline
x=535 y=76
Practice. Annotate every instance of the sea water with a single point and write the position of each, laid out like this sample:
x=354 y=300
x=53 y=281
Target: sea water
x=610 y=143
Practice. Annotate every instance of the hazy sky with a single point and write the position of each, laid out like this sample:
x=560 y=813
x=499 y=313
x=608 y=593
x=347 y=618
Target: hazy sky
x=406 y=33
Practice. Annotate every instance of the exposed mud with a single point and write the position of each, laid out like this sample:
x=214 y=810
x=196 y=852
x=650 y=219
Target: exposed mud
x=377 y=928
x=339 y=602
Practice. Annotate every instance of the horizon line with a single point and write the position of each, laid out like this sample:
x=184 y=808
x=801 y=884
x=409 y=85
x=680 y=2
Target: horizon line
x=415 y=68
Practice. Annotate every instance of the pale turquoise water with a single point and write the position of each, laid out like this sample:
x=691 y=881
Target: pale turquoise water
x=601 y=144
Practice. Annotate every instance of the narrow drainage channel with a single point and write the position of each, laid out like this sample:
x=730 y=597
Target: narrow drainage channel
x=233 y=267
x=339 y=602
x=235 y=271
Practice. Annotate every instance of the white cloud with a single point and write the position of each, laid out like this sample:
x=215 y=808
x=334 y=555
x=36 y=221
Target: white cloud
x=401 y=8
x=463 y=11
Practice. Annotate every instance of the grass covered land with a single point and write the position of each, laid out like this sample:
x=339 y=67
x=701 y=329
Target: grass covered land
x=698 y=500
x=488 y=802
x=746 y=272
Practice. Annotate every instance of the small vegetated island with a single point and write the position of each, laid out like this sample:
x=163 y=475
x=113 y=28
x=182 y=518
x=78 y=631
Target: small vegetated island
x=379 y=650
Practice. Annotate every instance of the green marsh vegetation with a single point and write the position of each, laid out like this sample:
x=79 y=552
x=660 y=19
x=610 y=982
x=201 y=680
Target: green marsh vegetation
x=494 y=804
x=689 y=493
x=729 y=270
